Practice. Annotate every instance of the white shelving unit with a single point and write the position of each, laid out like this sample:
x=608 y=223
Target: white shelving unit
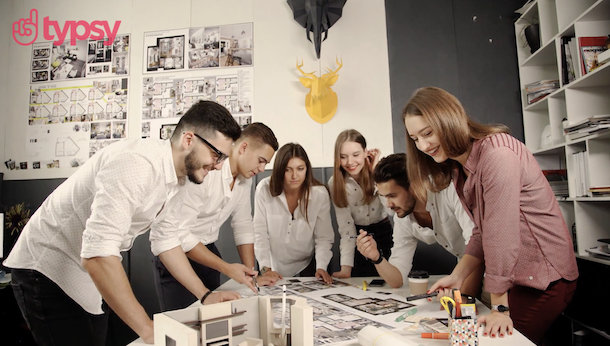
x=584 y=97
x=587 y=96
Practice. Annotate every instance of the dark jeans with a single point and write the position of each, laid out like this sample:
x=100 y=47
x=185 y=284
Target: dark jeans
x=382 y=233
x=172 y=295
x=533 y=311
x=52 y=316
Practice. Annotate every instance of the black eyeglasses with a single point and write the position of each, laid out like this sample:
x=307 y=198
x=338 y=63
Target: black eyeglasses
x=220 y=155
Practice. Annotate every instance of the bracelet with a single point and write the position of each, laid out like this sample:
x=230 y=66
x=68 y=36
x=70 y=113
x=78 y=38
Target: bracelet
x=379 y=260
x=205 y=296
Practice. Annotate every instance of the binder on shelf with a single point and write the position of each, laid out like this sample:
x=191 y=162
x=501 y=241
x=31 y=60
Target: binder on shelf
x=590 y=47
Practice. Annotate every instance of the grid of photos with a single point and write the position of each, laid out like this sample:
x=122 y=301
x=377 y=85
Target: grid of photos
x=85 y=58
x=199 y=48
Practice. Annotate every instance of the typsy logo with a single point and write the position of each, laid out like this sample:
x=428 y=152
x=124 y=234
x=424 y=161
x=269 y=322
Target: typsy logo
x=25 y=30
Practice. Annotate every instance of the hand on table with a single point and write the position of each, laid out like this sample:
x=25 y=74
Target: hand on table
x=323 y=274
x=266 y=280
x=497 y=324
x=367 y=246
x=272 y=275
x=221 y=296
x=345 y=272
x=241 y=274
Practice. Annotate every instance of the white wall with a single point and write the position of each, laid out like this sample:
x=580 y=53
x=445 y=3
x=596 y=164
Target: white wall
x=359 y=38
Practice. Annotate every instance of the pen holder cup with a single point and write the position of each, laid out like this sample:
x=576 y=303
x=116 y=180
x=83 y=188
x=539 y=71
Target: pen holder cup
x=463 y=332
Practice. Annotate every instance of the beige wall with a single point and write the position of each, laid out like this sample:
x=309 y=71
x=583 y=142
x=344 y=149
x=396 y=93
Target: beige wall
x=359 y=38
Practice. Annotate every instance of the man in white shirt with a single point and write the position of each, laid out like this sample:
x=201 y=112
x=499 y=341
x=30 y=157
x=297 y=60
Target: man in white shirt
x=441 y=219
x=206 y=208
x=67 y=263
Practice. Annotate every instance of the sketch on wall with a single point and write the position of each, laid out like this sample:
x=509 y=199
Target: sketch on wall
x=70 y=121
x=165 y=98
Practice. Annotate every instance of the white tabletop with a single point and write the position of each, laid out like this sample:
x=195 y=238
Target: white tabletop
x=430 y=310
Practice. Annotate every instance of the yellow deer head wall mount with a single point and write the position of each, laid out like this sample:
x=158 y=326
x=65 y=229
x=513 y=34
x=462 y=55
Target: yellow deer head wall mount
x=321 y=102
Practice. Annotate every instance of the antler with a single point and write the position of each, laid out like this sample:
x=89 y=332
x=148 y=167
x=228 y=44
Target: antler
x=304 y=73
x=331 y=72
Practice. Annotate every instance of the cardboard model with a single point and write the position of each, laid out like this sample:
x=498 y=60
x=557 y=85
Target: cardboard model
x=244 y=322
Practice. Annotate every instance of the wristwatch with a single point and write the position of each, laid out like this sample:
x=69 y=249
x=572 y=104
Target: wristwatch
x=379 y=259
x=264 y=270
x=500 y=308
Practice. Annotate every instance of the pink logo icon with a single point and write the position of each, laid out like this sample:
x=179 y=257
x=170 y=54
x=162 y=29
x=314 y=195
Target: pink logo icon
x=26 y=29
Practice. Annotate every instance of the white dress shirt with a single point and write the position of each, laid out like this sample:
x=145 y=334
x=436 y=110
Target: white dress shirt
x=452 y=228
x=208 y=205
x=285 y=244
x=356 y=213
x=118 y=194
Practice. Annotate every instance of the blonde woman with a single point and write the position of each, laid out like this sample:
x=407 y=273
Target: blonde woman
x=357 y=204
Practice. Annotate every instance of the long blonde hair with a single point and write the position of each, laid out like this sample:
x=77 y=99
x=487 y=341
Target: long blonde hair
x=456 y=132
x=366 y=182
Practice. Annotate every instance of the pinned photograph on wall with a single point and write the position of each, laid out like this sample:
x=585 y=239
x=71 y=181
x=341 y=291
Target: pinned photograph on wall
x=42 y=64
x=23 y=165
x=68 y=61
x=236 y=44
x=167 y=130
x=10 y=164
x=244 y=121
x=95 y=146
x=76 y=162
x=119 y=129
x=204 y=47
x=53 y=164
x=40 y=76
x=36 y=165
x=101 y=130
x=152 y=58
x=120 y=44
x=171 y=52
x=146 y=129
x=41 y=53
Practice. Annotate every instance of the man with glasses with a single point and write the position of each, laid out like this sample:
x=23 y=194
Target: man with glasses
x=207 y=206
x=66 y=264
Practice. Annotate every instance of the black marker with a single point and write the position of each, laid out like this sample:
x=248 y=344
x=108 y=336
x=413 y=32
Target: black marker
x=422 y=296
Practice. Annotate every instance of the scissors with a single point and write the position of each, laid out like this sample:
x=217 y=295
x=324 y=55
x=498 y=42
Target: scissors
x=449 y=304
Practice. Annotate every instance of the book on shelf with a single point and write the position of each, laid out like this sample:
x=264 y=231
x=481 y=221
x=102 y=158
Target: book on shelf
x=567 y=63
x=587 y=126
x=536 y=91
x=558 y=180
x=603 y=57
x=590 y=47
x=600 y=191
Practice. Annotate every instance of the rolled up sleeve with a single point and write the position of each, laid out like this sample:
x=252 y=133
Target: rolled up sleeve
x=164 y=233
x=116 y=198
x=404 y=248
x=262 y=248
x=500 y=230
x=241 y=218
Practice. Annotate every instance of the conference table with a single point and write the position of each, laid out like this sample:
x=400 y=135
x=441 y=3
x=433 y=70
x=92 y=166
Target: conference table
x=424 y=309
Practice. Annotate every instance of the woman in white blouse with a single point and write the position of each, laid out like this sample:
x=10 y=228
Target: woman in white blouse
x=357 y=204
x=292 y=218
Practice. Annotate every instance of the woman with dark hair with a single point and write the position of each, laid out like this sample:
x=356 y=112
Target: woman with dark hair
x=292 y=219
x=357 y=204
x=520 y=234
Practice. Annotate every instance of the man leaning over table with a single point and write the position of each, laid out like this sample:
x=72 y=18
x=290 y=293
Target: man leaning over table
x=207 y=206
x=66 y=264
x=441 y=219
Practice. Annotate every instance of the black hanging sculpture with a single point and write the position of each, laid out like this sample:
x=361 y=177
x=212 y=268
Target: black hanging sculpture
x=317 y=16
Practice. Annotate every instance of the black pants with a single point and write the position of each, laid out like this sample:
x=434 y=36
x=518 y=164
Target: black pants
x=382 y=233
x=52 y=316
x=172 y=295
